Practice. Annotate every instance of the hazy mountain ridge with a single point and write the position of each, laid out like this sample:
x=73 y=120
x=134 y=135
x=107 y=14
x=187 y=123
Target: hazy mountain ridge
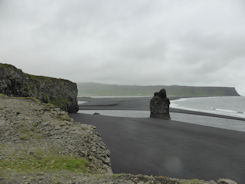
x=97 y=89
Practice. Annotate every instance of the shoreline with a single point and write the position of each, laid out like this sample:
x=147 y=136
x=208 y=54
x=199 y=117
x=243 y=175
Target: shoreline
x=140 y=104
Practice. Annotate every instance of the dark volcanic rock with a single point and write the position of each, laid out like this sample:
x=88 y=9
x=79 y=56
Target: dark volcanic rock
x=159 y=105
x=60 y=92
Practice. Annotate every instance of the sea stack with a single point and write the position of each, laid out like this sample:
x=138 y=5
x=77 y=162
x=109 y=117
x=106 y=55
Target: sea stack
x=159 y=105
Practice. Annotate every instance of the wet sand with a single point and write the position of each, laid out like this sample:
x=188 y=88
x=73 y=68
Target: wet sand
x=170 y=148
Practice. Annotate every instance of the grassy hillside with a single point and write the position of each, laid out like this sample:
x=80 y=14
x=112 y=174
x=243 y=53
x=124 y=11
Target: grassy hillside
x=95 y=89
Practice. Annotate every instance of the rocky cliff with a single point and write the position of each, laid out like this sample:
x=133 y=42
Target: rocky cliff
x=60 y=92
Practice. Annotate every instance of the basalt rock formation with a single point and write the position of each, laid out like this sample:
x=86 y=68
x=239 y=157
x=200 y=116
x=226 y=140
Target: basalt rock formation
x=60 y=92
x=159 y=105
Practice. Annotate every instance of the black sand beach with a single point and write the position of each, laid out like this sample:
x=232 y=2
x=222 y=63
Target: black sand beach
x=161 y=147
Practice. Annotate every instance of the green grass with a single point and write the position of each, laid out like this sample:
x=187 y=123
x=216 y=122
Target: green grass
x=31 y=135
x=116 y=176
x=45 y=78
x=191 y=181
x=40 y=161
x=5 y=65
x=28 y=133
x=60 y=102
x=65 y=117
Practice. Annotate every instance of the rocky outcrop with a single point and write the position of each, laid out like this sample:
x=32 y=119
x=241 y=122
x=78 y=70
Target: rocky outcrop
x=31 y=130
x=60 y=92
x=226 y=181
x=159 y=105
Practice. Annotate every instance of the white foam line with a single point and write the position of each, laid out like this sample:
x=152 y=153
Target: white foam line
x=226 y=112
x=81 y=102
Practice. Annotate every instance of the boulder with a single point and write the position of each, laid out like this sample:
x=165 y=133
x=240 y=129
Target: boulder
x=159 y=105
x=226 y=181
x=60 y=92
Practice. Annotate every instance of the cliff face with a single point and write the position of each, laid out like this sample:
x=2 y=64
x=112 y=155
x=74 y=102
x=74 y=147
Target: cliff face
x=60 y=92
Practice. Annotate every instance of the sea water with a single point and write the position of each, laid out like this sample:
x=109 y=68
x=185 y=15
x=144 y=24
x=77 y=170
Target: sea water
x=231 y=106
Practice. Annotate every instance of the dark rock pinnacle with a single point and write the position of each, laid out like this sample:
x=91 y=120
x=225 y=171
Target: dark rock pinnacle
x=159 y=105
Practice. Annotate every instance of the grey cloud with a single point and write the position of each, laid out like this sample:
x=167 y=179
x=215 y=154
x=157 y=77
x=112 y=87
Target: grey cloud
x=188 y=42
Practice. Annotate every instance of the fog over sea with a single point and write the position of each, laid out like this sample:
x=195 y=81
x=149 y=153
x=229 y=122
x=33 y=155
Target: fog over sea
x=229 y=106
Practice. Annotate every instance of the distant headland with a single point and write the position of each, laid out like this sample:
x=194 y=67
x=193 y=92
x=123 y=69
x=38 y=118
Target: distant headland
x=97 y=89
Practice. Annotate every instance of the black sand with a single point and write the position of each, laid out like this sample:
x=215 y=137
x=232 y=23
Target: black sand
x=170 y=148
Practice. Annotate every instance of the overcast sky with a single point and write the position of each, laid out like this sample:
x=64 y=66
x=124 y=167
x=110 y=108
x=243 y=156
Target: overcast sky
x=185 y=42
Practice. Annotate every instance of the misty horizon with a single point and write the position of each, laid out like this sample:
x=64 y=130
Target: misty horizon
x=91 y=82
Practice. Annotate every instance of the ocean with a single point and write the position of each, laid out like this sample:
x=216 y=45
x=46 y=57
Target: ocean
x=231 y=106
